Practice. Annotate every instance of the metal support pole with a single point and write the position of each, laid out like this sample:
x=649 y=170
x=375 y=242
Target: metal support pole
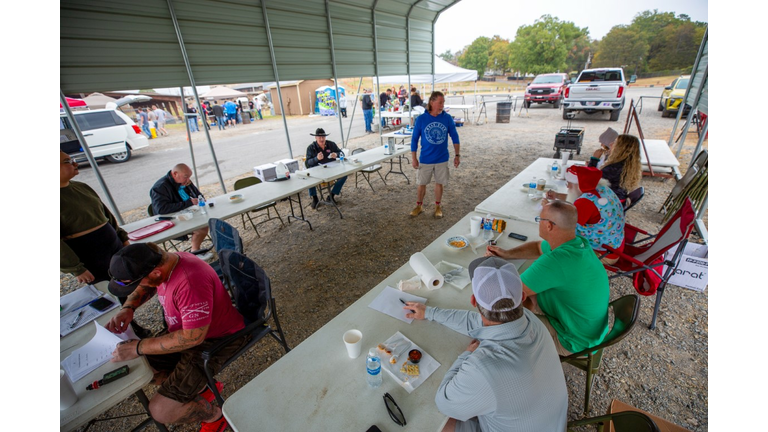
x=89 y=156
x=700 y=142
x=694 y=108
x=189 y=139
x=333 y=65
x=690 y=83
x=408 y=57
x=433 y=54
x=277 y=77
x=194 y=91
x=352 y=118
x=376 y=62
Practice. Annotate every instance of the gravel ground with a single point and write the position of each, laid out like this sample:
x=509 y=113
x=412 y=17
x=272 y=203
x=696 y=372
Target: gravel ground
x=663 y=371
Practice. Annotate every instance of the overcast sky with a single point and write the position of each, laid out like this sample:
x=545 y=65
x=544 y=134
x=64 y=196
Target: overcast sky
x=470 y=19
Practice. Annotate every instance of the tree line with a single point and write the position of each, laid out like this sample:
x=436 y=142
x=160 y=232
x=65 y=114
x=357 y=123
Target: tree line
x=654 y=41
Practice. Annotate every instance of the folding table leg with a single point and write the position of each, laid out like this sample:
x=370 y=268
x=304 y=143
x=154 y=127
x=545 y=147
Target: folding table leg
x=301 y=209
x=400 y=165
x=328 y=201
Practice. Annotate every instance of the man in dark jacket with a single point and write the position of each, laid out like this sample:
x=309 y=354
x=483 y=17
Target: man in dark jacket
x=367 y=111
x=175 y=192
x=221 y=116
x=322 y=152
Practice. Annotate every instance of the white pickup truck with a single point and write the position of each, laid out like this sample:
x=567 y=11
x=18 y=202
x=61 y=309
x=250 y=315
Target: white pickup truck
x=596 y=90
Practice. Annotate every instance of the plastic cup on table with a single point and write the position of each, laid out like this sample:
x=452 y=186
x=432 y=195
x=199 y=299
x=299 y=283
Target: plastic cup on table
x=474 y=225
x=353 y=340
x=68 y=395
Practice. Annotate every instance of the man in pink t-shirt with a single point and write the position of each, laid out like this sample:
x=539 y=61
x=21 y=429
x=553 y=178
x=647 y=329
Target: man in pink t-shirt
x=198 y=311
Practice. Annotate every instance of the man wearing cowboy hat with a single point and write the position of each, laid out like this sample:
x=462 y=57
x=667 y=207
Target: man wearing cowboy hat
x=321 y=152
x=600 y=213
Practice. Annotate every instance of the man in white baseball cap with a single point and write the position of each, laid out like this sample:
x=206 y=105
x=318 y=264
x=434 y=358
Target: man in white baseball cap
x=510 y=377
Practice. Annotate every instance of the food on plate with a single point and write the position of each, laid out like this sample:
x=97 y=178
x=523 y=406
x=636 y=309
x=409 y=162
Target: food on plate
x=414 y=356
x=383 y=348
x=410 y=369
x=393 y=360
x=458 y=243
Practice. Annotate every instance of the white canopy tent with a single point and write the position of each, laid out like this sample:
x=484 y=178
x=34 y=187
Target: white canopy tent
x=222 y=93
x=444 y=73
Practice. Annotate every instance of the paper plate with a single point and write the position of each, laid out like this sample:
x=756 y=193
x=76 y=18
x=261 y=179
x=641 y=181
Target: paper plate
x=456 y=239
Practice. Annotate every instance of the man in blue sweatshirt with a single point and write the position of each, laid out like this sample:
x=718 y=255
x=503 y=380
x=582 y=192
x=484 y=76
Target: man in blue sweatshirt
x=433 y=128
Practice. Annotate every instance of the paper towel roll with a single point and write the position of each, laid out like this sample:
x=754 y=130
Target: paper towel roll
x=426 y=271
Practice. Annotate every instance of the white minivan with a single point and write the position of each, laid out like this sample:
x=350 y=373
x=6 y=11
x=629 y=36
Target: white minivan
x=110 y=135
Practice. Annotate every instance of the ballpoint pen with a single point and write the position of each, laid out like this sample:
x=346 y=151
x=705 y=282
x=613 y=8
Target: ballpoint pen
x=77 y=319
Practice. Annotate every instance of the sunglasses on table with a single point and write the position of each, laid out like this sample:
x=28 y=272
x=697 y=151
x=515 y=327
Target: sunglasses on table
x=395 y=413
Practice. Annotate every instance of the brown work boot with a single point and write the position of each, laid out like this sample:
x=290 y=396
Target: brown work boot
x=438 y=211
x=417 y=211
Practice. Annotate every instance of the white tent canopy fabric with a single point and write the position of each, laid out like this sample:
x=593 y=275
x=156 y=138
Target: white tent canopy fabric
x=222 y=92
x=444 y=73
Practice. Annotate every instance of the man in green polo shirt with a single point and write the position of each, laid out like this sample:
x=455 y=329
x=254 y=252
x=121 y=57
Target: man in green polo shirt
x=566 y=285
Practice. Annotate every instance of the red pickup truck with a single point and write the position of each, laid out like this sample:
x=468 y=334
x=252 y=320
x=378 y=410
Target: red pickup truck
x=546 y=88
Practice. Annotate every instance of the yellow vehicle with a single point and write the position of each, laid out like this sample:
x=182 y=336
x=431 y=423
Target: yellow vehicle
x=672 y=97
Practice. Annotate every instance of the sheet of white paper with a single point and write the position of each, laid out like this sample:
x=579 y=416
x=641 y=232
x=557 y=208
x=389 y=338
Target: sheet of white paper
x=77 y=298
x=427 y=365
x=388 y=302
x=459 y=281
x=90 y=356
x=89 y=314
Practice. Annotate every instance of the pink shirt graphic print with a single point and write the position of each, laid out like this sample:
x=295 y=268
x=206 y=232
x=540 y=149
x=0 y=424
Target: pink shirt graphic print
x=194 y=297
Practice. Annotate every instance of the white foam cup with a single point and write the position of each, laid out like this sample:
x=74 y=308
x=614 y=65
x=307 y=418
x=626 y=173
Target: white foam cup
x=353 y=340
x=474 y=225
x=68 y=395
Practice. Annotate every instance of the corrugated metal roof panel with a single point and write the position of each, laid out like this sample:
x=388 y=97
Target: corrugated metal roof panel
x=106 y=44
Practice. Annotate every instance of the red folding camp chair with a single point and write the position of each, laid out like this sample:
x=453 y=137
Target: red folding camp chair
x=643 y=259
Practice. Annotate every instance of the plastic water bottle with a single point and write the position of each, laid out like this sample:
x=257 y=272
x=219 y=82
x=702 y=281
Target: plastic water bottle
x=532 y=188
x=201 y=203
x=555 y=170
x=386 y=149
x=373 y=366
x=487 y=227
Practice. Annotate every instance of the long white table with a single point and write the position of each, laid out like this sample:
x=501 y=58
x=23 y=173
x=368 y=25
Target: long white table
x=465 y=109
x=92 y=403
x=253 y=198
x=662 y=160
x=318 y=387
x=511 y=200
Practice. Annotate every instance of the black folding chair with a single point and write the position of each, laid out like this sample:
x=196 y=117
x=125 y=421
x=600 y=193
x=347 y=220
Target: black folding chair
x=633 y=198
x=253 y=299
x=224 y=236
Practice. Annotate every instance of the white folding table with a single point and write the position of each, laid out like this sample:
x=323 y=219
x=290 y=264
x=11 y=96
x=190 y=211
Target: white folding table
x=316 y=386
x=253 y=197
x=661 y=158
x=91 y=403
x=511 y=200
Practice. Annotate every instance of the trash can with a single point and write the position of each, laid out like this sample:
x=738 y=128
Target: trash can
x=503 y=110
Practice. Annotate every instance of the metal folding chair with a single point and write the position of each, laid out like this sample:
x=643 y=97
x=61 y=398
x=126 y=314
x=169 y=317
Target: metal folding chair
x=366 y=172
x=252 y=181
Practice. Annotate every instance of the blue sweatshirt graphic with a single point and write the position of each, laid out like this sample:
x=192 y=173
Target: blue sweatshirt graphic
x=433 y=132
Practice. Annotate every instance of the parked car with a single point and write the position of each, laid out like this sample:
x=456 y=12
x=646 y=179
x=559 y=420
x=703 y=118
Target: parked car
x=596 y=91
x=546 y=88
x=672 y=97
x=110 y=135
